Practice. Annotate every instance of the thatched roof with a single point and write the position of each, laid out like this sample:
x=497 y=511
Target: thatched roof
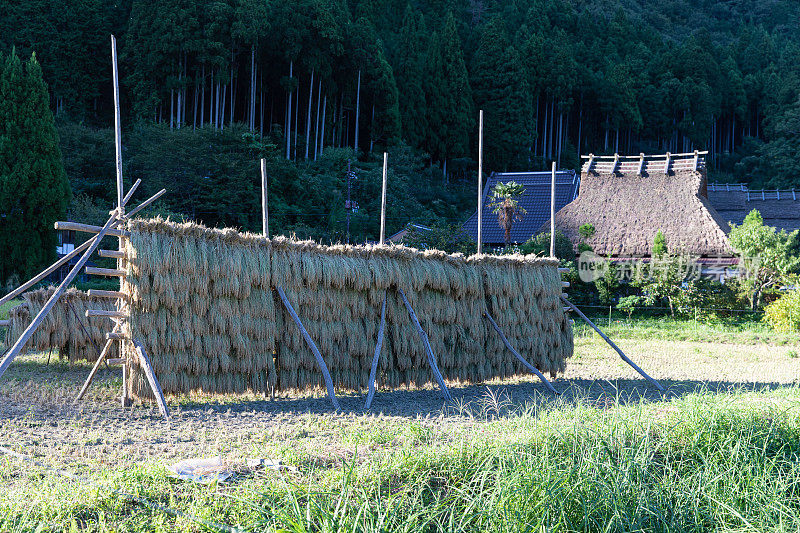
x=629 y=199
x=535 y=200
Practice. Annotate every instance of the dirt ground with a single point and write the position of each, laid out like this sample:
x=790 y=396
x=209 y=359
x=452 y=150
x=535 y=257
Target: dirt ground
x=38 y=412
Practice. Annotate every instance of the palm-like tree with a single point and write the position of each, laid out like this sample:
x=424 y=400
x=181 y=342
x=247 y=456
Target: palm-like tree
x=505 y=204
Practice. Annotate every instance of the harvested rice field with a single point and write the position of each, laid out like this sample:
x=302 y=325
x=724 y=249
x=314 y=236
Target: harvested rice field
x=340 y=457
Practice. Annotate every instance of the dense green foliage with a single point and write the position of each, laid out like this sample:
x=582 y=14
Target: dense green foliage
x=555 y=77
x=210 y=86
x=784 y=313
x=34 y=191
x=768 y=256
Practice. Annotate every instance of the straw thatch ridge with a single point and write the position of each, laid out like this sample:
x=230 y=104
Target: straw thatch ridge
x=61 y=329
x=203 y=305
x=628 y=209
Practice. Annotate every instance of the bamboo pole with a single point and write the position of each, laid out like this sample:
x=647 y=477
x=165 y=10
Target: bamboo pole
x=383 y=199
x=117 y=127
x=144 y=204
x=264 y=202
x=36 y=322
x=113 y=254
x=131 y=191
x=46 y=272
x=374 y=370
x=611 y=343
x=518 y=356
x=87 y=228
x=314 y=349
x=95 y=368
x=424 y=336
x=151 y=379
x=480 y=181
x=553 y=211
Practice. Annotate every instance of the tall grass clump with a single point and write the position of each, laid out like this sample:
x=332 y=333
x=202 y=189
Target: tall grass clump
x=700 y=465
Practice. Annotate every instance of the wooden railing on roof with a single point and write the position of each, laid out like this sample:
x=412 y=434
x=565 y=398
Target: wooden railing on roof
x=641 y=164
x=755 y=194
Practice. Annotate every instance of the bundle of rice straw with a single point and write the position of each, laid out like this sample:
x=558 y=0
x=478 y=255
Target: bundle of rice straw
x=65 y=328
x=204 y=305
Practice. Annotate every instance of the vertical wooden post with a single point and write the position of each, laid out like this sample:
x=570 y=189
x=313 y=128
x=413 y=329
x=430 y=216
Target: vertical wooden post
x=480 y=181
x=117 y=124
x=553 y=211
x=120 y=193
x=264 y=203
x=383 y=199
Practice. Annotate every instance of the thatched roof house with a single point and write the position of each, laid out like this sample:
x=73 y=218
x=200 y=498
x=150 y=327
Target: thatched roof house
x=628 y=199
x=535 y=200
x=779 y=209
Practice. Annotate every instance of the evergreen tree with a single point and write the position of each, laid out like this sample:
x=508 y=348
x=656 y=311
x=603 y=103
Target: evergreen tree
x=500 y=89
x=411 y=78
x=450 y=111
x=34 y=190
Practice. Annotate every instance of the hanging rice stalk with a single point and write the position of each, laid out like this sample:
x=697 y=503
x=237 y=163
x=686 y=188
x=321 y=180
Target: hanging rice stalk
x=203 y=305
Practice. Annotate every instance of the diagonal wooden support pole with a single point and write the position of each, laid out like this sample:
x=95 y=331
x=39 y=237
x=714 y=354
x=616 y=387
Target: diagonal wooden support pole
x=314 y=349
x=36 y=322
x=144 y=204
x=96 y=367
x=374 y=370
x=624 y=357
x=49 y=270
x=426 y=341
x=518 y=356
x=151 y=378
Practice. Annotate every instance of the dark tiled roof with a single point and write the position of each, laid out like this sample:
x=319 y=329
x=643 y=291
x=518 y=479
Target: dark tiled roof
x=778 y=209
x=535 y=200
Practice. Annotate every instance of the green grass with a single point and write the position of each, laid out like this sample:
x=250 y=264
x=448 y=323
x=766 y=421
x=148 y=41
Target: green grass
x=722 y=330
x=706 y=462
x=4 y=309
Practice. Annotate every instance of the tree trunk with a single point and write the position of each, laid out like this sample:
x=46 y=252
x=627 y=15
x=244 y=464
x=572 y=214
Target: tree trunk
x=560 y=131
x=222 y=107
x=296 y=114
x=322 y=134
x=308 y=114
x=316 y=124
x=358 y=103
x=180 y=95
x=289 y=117
x=544 y=131
x=194 y=114
x=171 y=108
x=371 y=128
x=253 y=87
x=580 y=124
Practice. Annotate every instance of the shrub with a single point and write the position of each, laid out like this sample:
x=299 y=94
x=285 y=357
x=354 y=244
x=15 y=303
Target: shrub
x=628 y=304
x=784 y=313
x=540 y=245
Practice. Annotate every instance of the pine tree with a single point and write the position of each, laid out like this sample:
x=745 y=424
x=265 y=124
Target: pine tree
x=34 y=190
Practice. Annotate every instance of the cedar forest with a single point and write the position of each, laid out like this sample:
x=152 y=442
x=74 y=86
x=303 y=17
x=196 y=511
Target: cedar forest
x=211 y=86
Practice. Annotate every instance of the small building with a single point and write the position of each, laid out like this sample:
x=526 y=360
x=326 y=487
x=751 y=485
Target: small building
x=535 y=200
x=628 y=199
x=779 y=208
x=399 y=237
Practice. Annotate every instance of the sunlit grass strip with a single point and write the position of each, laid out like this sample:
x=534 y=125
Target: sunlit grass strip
x=719 y=462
